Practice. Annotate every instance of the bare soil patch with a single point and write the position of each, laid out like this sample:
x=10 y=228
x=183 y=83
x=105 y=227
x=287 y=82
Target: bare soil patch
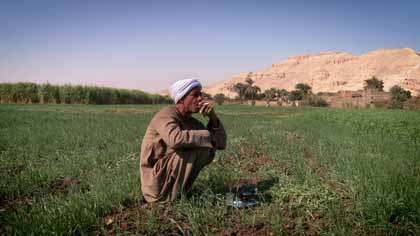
x=237 y=227
x=295 y=225
x=59 y=186
x=262 y=161
x=134 y=220
x=334 y=186
x=12 y=204
x=13 y=171
x=292 y=138
x=62 y=185
x=312 y=163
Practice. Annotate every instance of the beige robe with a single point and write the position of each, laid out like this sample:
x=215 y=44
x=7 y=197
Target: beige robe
x=173 y=152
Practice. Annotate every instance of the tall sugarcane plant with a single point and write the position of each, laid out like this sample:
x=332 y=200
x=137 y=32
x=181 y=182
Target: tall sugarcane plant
x=25 y=92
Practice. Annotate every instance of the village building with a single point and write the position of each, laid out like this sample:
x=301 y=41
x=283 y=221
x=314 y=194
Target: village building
x=361 y=99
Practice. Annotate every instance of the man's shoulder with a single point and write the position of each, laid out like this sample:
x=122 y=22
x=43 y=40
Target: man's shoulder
x=169 y=110
x=165 y=113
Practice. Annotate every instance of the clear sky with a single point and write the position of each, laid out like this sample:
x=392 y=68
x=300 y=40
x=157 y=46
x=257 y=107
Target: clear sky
x=148 y=45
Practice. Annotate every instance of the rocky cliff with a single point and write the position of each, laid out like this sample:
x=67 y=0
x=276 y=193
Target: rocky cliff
x=334 y=71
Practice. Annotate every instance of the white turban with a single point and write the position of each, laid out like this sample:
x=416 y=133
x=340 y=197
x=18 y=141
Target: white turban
x=182 y=87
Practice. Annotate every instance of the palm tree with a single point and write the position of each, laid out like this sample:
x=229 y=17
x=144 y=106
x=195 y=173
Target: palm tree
x=251 y=91
x=249 y=81
x=240 y=88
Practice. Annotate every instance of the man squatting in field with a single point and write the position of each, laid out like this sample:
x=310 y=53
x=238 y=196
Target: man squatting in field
x=177 y=146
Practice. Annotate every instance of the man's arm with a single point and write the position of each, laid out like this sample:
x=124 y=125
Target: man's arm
x=170 y=131
x=217 y=130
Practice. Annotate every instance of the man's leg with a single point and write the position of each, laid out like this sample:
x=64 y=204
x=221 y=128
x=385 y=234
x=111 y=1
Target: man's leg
x=200 y=160
x=177 y=172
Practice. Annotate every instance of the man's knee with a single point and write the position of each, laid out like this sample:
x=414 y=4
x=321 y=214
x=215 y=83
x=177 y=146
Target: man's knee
x=205 y=160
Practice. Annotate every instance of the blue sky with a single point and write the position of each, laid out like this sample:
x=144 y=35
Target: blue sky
x=148 y=45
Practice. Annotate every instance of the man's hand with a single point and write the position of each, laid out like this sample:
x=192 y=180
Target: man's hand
x=207 y=110
x=218 y=134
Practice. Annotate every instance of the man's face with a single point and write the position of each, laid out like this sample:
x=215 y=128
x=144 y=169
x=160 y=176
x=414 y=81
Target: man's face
x=192 y=101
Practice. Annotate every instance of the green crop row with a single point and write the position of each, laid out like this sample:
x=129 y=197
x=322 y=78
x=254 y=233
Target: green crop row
x=73 y=170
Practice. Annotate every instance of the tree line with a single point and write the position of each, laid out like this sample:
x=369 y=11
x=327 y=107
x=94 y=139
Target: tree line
x=25 y=92
x=303 y=93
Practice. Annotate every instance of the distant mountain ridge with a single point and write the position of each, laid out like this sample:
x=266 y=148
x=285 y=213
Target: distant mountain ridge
x=334 y=71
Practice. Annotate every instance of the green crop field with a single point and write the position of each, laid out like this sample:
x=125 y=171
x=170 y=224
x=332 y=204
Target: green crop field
x=74 y=170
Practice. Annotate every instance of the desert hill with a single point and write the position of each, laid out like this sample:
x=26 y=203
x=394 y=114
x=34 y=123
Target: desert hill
x=334 y=71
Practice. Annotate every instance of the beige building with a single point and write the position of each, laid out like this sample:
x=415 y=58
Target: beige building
x=369 y=98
